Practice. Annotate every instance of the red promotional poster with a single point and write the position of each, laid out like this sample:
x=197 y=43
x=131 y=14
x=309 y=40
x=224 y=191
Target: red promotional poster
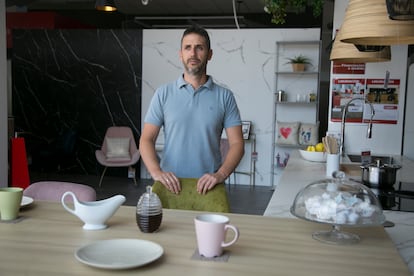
x=384 y=98
x=344 y=90
x=348 y=68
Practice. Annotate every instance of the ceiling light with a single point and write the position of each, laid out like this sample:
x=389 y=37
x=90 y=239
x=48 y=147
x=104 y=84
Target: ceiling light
x=105 y=5
x=367 y=23
x=349 y=53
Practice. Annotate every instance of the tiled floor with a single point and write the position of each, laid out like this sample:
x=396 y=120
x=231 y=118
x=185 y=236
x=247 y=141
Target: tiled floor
x=243 y=199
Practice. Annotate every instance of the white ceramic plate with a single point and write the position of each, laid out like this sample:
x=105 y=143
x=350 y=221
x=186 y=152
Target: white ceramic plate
x=26 y=201
x=119 y=253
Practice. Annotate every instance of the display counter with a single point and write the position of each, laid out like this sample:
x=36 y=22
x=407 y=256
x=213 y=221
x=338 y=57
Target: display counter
x=298 y=173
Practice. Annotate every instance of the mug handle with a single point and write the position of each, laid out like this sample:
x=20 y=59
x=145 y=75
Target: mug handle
x=64 y=204
x=236 y=235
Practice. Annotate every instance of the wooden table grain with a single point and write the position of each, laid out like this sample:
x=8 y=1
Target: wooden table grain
x=45 y=241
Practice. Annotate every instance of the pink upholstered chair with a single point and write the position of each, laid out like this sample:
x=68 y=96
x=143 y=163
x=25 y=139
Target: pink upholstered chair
x=118 y=150
x=53 y=191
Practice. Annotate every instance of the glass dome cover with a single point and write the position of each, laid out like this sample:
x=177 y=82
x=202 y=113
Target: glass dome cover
x=339 y=202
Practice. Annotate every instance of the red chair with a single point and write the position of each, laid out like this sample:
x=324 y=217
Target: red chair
x=118 y=150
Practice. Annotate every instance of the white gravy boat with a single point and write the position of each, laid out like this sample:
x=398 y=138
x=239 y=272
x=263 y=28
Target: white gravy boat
x=93 y=213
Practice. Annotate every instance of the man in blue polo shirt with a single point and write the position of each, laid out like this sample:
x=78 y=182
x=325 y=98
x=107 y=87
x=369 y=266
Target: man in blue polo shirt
x=193 y=111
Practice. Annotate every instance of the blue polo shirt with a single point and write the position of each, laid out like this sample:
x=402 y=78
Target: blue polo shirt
x=193 y=122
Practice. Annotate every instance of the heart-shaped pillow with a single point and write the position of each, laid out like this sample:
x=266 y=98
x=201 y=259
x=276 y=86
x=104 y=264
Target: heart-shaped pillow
x=287 y=133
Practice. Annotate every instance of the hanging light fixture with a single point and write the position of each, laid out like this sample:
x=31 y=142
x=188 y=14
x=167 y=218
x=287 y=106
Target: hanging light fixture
x=400 y=9
x=349 y=53
x=105 y=5
x=367 y=23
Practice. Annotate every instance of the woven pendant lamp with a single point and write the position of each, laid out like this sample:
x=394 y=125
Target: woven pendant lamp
x=348 y=53
x=367 y=23
x=400 y=9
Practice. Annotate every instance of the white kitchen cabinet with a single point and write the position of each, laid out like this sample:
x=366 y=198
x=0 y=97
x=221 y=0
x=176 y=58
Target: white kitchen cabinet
x=297 y=87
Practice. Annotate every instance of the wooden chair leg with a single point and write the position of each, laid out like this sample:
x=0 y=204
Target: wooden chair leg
x=102 y=175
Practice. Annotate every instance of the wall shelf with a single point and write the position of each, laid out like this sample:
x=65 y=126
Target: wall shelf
x=297 y=73
x=296 y=103
x=297 y=87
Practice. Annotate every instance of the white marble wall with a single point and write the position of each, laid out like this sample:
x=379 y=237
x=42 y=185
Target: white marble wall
x=244 y=61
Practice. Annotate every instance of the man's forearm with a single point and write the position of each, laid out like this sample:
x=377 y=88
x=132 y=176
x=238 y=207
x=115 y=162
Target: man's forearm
x=232 y=160
x=149 y=156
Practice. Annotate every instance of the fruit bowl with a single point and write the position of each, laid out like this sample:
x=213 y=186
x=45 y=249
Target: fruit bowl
x=313 y=156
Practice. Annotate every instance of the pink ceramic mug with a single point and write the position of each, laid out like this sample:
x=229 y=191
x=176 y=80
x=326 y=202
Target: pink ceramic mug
x=211 y=232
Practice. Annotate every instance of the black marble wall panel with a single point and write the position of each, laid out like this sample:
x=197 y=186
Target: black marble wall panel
x=69 y=86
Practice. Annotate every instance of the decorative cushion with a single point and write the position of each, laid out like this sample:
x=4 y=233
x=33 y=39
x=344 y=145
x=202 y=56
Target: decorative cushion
x=287 y=133
x=214 y=200
x=308 y=134
x=117 y=149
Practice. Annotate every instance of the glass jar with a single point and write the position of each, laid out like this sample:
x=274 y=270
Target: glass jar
x=149 y=211
x=312 y=97
x=338 y=202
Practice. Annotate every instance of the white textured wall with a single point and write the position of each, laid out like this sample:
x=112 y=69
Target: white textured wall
x=244 y=61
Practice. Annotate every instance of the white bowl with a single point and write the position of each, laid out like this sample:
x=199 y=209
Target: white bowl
x=314 y=156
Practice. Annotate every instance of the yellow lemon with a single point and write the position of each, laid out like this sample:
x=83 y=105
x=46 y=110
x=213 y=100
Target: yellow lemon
x=319 y=147
x=311 y=148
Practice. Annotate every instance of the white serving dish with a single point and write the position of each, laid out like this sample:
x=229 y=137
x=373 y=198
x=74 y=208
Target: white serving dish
x=313 y=156
x=26 y=201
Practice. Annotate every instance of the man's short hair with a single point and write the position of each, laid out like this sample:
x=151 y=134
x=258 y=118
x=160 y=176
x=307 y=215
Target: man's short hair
x=197 y=30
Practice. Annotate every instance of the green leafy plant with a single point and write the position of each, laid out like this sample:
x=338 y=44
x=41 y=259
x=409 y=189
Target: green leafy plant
x=278 y=8
x=301 y=59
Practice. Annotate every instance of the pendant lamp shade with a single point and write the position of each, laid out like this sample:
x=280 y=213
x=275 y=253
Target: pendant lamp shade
x=349 y=53
x=105 y=5
x=367 y=23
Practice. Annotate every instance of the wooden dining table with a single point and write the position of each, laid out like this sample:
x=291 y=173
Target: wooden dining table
x=45 y=239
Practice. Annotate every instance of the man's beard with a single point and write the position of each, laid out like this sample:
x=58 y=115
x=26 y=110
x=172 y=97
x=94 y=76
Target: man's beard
x=195 y=71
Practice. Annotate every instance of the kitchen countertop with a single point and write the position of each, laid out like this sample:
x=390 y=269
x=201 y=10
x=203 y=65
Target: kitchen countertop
x=298 y=173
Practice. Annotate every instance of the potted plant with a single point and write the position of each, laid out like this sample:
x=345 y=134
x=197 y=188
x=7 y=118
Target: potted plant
x=298 y=63
x=279 y=8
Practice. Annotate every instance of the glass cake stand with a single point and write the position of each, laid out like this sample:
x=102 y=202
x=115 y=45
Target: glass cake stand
x=338 y=202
